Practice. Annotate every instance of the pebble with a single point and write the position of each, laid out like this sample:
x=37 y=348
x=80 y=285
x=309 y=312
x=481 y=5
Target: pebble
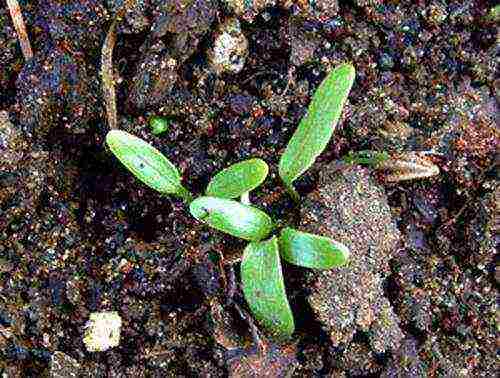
x=230 y=49
x=103 y=331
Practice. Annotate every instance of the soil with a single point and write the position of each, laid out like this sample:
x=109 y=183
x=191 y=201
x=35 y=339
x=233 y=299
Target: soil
x=78 y=234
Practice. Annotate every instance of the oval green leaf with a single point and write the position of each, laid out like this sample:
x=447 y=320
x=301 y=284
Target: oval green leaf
x=316 y=128
x=232 y=217
x=264 y=289
x=146 y=163
x=238 y=179
x=311 y=251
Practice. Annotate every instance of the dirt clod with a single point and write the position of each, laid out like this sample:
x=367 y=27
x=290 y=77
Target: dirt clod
x=351 y=208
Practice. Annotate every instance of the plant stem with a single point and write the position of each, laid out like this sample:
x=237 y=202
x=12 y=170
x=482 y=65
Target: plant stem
x=293 y=193
x=185 y=195
x=245 y=198
x=108 y=82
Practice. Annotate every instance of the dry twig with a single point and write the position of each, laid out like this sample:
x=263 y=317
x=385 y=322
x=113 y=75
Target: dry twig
x=17 y=19
x=407 y=166
x=108 y=82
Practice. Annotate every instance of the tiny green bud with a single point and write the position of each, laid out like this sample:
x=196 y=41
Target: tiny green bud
x=158 y=124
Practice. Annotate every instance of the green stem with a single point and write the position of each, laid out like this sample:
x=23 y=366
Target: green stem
x=185 y=195
x=245 y=198
x=293 y=193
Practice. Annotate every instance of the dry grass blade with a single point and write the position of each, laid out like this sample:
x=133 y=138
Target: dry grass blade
x=408 y=166
x=108 y=81
x=17 y=19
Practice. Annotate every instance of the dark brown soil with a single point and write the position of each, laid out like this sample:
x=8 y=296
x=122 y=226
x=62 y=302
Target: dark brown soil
x=78 y=234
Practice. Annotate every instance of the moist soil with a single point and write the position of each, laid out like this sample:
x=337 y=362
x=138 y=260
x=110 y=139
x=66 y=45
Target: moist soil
x=78 y=234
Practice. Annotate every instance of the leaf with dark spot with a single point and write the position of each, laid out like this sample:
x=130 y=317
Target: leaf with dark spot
x=264 y=288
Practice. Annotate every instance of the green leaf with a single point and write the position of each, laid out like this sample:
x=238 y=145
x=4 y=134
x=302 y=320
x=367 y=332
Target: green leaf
x=264 y=288
x=232 y=217
x=316 y=128
x=238 y=179
x=311 y=251
x=146 y=163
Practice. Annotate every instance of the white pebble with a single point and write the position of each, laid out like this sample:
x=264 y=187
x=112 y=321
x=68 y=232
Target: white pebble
x=102 y=331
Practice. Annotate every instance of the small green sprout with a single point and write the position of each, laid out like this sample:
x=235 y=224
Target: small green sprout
x=261 y=273
x=367 y=157
x=316 y=128
x=159 y=124
x=493 y=14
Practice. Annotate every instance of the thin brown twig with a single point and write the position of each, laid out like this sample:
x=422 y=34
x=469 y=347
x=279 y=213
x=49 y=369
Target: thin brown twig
x=17 y=19
x=108 y=82
x=107 y=74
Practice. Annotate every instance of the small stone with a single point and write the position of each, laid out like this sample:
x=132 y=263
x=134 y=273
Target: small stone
x=386 y=62
x=230 y=49
x=103 y=331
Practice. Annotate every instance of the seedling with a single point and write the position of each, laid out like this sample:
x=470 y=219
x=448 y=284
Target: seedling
x=261 y=273
x=158 y=125
x=366 y=157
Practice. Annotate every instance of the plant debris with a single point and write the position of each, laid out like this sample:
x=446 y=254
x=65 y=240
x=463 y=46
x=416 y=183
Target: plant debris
x=17 y=19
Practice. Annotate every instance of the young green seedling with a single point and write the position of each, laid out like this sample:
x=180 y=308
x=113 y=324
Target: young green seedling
x=261 y=274
x=158 y=125
x=366 y=157
x=316 y=128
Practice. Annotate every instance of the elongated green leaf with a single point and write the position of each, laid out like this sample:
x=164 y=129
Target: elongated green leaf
x=232 y=217
x=238 y=179
x=146 y=163
x=316 y=128
x=264 y=288
x=311 y=251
